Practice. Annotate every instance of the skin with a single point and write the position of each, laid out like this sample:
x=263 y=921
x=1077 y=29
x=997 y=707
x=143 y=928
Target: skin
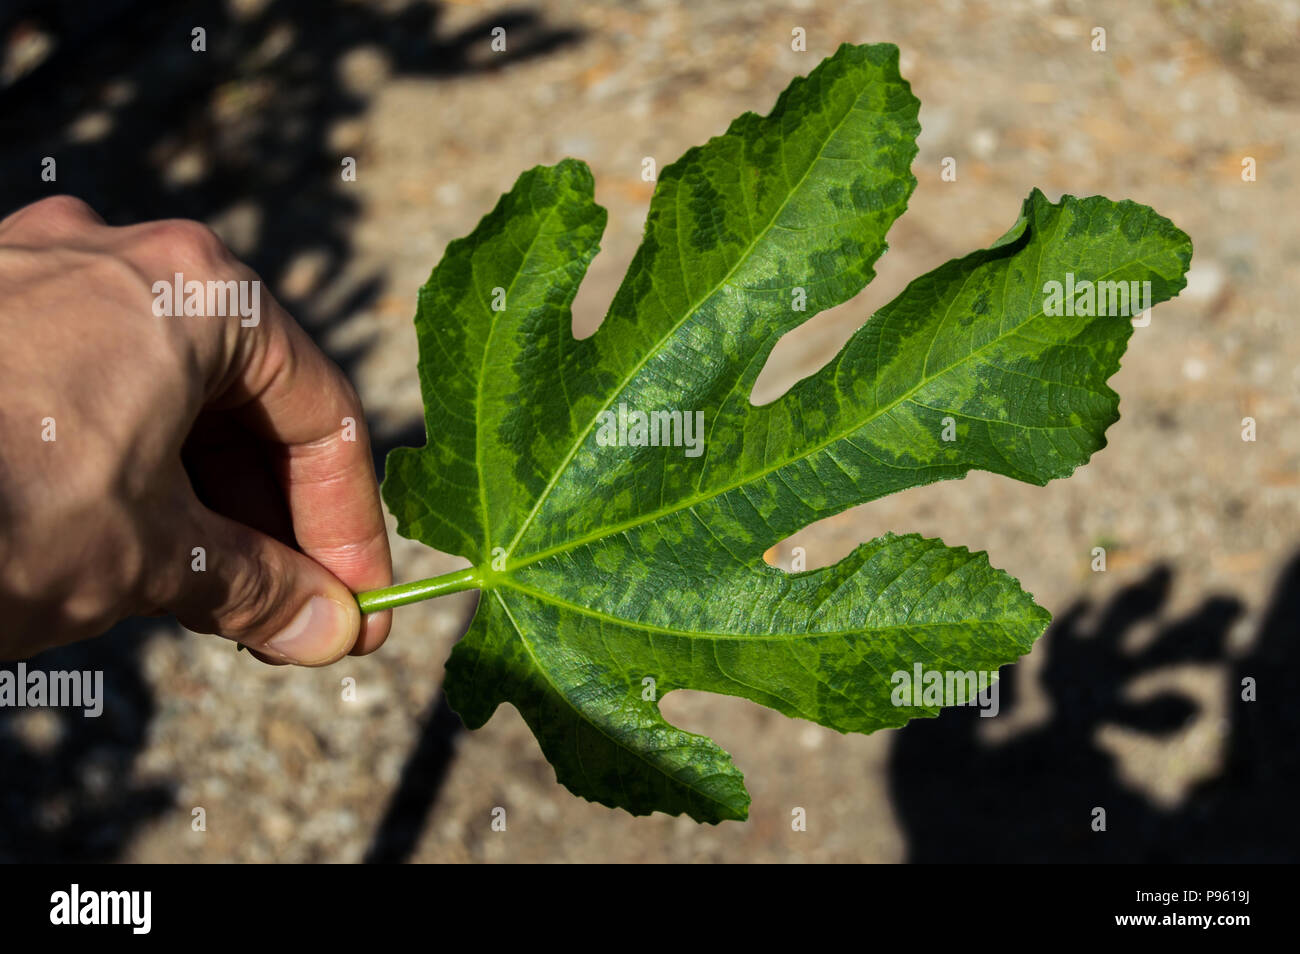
x=172 y=433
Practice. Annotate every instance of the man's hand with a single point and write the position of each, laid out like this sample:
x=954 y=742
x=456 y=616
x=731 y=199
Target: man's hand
x=200 y=466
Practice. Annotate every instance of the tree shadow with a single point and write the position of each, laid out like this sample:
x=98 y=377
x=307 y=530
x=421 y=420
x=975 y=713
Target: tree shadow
x=143 y=127
x=67 y=793
x=1031 y=798
x=422 y=777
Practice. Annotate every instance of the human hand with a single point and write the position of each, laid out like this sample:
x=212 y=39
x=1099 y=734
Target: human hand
x=129 y=440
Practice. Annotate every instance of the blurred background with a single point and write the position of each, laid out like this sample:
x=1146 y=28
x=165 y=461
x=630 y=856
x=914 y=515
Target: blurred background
x=1131 y=702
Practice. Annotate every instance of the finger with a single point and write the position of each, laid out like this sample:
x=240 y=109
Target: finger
x=259 y=592
x=266 y=369
x=291 y=394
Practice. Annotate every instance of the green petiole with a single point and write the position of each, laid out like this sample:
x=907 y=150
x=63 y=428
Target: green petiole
x=372 y=601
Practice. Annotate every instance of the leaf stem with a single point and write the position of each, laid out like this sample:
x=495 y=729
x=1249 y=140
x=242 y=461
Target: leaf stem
x=372 y=601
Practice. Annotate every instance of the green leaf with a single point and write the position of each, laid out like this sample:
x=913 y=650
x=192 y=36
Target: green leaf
x=611 y=575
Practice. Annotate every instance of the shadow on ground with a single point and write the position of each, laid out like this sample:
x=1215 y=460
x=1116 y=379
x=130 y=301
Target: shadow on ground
x=422 y=777
x=67 y=791
x=143 y=127
x=1032 y=798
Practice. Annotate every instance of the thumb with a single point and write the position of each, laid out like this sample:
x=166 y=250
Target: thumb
x=248 y=587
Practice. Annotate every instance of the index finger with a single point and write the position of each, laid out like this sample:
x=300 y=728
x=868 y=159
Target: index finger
x=289 y=393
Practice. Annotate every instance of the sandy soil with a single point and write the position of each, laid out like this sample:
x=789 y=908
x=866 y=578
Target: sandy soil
x=286 y=769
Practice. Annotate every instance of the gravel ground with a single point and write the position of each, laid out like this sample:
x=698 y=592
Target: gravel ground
x=288 y=769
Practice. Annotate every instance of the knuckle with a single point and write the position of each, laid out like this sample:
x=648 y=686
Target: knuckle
x=338 y=391
x=57 y=211
x=64 y=208
x=186 y=240
x=347 y=394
